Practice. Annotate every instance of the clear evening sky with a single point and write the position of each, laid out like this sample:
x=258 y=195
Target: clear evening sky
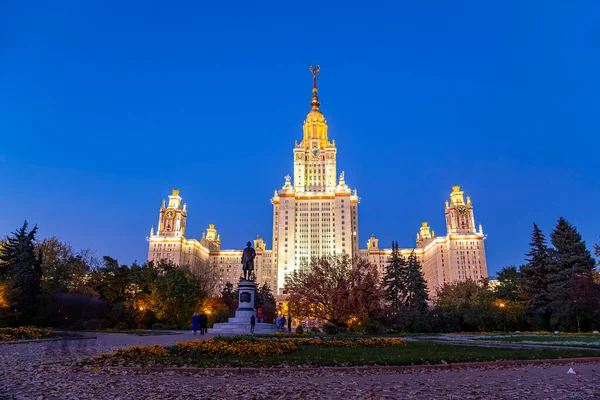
x=107 y=106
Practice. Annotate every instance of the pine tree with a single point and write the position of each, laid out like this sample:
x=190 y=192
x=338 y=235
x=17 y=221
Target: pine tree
x=393 y=279
x=20 y=266
x=534 y=277
x=570 y=258
x=415 y=287
x=264 y=295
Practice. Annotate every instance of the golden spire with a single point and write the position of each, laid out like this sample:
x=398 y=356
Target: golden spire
x=315 y=126
x=315 y=92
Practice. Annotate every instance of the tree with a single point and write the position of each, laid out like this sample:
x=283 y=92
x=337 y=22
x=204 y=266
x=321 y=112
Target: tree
x=534 y=279
x=64 y=270
x=414 y=291
x=334 y=288
x=469 y=306
x=393 y=279
x=509 y=284
x=264 y=296
x=264 y=299
x=178 y=294
x=569 y=258
x=22 y=268
x=208 y=275
x=229 y=296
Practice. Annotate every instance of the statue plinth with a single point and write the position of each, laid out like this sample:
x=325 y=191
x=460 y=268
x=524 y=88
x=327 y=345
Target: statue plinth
x=241 y=322
x=245 y=310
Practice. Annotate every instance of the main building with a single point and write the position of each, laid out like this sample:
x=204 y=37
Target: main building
x=317 y=214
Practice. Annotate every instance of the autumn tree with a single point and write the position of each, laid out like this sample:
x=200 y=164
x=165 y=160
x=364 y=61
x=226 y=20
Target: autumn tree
x=208 y=276
x=334 y=288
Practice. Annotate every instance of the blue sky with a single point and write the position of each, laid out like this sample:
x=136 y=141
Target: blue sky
x=104 y=108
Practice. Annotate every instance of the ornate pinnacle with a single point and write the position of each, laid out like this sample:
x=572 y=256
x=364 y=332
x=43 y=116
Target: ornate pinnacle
x=315 y=97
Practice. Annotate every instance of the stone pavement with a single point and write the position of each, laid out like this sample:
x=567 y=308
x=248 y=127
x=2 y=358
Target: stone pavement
x=23 y=376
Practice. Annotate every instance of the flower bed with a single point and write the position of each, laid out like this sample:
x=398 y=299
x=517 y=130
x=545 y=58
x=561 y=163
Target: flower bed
x=23 y=333
x=232 y=347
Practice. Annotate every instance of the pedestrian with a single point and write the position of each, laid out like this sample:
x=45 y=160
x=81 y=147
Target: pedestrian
x=203 y=323
x=195 y=321
x=283 y=323
x=289 y=324
x=252 y=323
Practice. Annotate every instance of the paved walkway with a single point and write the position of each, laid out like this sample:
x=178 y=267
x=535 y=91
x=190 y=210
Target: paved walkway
x=21 y=376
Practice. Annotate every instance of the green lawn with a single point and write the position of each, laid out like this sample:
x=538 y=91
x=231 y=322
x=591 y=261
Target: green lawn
x=570 y=340
x=414 y=353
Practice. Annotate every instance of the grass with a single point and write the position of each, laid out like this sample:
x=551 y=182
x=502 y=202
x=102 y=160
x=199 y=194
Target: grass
x=571 y=340
x=137 y=332
x=414 y=353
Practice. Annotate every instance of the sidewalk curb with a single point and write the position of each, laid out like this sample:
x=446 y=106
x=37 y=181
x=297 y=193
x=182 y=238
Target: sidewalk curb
x=46 y=340
x=396 y=369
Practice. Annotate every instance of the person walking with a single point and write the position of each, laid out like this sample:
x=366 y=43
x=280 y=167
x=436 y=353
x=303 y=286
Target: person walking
x=289 y=324
x=252 y=323
x=195 y=321
x=283 y=323
x=203 y=323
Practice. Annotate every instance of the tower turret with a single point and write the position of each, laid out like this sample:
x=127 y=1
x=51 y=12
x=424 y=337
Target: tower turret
x=172 y=219
x=459 y=216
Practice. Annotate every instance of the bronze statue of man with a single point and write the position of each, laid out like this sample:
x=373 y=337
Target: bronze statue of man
x=248 y=260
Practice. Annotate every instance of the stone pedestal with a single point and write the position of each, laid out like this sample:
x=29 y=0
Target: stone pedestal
x=240 y=324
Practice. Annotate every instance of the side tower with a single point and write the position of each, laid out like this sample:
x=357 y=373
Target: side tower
x=168 y=241
x=171 y=219
x=459 y=216
x=464 y=248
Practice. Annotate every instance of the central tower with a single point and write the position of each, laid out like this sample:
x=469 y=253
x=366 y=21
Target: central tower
x=314 y=215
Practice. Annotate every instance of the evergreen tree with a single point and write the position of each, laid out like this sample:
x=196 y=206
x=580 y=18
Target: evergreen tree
x=229 y=296
x=509 y=284
x=570 y=258
x=20 y=266
x=534 y=278
x=393 y=279
x=414 y=286
x=264 y=295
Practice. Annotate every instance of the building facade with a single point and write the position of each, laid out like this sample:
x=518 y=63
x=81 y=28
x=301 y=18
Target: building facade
x=317 y=214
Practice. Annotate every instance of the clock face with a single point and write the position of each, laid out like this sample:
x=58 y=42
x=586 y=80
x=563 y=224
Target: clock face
x=170 y=214
x=462 y=210
x=315 y=152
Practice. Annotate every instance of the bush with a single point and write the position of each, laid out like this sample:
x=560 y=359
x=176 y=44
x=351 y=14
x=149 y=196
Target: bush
x=300 y=329
x=91 y=325
x=330 y=328
x=121 y=326
x=373 y=327
x=158 y=326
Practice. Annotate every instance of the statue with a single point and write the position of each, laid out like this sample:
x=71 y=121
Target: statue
x=248 y=261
